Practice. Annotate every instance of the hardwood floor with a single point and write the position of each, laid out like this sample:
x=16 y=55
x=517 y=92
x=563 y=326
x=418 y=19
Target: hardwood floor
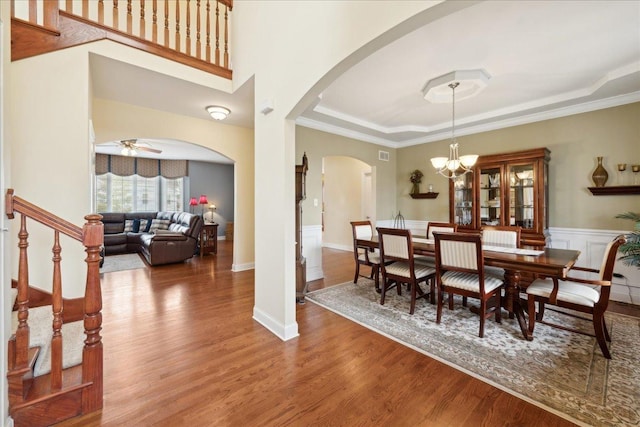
x=181 y=349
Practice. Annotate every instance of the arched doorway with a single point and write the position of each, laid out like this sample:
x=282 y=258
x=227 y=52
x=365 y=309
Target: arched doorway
x=348 y=194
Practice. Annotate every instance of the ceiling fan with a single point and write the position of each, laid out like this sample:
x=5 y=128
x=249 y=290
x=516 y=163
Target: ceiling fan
x=131 y=146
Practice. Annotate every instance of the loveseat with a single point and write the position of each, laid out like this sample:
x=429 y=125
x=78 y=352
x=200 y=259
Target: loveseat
x=162 y=237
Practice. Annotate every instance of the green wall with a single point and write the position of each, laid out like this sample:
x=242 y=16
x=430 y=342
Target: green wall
x=575 y=142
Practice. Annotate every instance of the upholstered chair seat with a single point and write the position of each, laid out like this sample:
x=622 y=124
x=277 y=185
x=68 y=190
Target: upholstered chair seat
x=470 y=281
x=584 y=295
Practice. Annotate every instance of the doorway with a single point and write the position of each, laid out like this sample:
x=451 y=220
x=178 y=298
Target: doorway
x=348 y=194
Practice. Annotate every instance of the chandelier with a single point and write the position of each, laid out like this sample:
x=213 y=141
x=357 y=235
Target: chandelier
x=455 y=165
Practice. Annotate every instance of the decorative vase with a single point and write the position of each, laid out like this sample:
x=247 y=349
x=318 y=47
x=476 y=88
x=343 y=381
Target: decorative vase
x=600 y=174
x=416 y=188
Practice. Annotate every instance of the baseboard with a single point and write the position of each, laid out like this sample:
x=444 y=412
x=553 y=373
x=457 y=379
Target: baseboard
x=8 y=422
x=284 y=332
x=243 y=267
x=347 y=248
x=314 y=273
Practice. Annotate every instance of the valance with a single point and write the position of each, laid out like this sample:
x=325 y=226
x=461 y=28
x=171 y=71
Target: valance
x=148 y=168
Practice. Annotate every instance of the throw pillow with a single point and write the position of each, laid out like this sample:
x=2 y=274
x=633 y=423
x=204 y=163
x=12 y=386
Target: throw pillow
x=144 y=226
x=136 y=226
x=159 y=224
x=128 y=225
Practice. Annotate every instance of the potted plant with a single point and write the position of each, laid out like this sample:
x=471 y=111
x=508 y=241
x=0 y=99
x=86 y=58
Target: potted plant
x=631 y=249
x=416 y=179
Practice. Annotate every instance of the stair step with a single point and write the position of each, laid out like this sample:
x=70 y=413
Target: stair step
x=40 y=334
x=44 y=406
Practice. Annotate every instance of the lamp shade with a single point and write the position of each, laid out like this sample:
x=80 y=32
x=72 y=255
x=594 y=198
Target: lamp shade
x=193 y=201
x=439 y=162
x=203 y=200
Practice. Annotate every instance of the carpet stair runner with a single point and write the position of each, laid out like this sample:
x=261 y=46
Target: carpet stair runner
x=40 y=405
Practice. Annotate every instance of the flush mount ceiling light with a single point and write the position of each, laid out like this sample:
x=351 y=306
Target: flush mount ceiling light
x=218 y=113
x=470 y=83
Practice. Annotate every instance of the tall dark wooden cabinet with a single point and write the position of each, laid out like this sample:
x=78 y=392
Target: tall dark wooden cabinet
x=301 y=267
x=505 y=189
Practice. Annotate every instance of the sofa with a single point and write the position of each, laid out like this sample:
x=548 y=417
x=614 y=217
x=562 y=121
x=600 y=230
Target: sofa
x=162 y=237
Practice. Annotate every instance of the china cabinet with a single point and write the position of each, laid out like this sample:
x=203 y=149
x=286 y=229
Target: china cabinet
x=505 y=189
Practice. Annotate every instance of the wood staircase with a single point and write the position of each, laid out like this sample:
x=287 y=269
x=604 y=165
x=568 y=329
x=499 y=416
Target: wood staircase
x=61 y=393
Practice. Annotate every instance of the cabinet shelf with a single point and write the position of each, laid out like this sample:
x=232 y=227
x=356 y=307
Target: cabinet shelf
x=424 y=195
x=615 y=190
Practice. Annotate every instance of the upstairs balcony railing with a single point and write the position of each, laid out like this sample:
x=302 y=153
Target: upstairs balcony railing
x=194 y=32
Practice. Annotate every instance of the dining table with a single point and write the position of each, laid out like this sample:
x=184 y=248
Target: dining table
x=548 y=262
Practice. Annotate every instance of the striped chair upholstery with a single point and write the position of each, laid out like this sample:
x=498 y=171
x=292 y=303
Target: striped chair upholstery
x=497 y=235
x=583 y=295
x=398 y=266
x=460 y=270
x=437 y=227
x=363 y=255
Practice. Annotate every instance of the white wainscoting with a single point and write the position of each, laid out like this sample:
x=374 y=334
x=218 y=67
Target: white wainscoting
x=312 y=251
x=591 y=244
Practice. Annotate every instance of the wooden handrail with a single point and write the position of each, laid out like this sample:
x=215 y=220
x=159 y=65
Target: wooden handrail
x=17 y=204
x=91 y=235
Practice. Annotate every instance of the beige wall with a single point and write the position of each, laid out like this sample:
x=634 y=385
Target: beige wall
x=113 y=121
x=318 y=144
x=342 y=198
x=575 y=142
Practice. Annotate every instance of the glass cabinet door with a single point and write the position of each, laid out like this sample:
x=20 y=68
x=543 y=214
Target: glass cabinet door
x=463 y=200
x=490 y=195
x=522 y=195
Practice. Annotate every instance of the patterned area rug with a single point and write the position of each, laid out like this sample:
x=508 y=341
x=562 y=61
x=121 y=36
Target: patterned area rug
x=122 y=262
x=560 y=371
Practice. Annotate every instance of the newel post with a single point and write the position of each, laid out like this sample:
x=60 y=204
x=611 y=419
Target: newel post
x=92 y=354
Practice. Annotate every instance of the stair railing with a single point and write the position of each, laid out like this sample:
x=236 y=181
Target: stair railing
x=91 y=235
x=161 y=27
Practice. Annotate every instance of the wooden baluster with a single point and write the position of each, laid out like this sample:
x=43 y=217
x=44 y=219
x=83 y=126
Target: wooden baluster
x=208 y=41
x=166 y=23
x=85 y=9
x=68 y=6
x=226 y=37
x=143 y=24
x=177 y=46
x=154 y=22
x=188 y=38
x=33 y=11
x=217 y=53
x=50 y=14
x=92 y=353
x=115 y=15
x=101 y=12
x=22 y=333
x=56 y=340
x=198 y=45
x=129 y=18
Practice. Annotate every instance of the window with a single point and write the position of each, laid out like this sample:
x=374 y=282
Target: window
x=138 y=194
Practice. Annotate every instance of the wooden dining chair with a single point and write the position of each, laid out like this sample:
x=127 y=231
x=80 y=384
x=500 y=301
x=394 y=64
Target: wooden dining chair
x=398 y=266
x=589 y=296
x=501 y=235
x=364 y=255
x=460 y=270
x=445 y=227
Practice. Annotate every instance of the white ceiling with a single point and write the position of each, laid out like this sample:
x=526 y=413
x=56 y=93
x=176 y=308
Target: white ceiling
x=546 y=59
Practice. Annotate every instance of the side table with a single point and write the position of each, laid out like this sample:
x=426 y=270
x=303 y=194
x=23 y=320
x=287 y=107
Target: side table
x=209 y=239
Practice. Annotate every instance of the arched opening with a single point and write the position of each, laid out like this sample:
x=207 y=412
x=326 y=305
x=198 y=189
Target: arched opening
x=348 y=194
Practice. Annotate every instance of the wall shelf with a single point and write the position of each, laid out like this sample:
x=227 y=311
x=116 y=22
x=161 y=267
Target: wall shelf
x=615 y=190
x=424 y=195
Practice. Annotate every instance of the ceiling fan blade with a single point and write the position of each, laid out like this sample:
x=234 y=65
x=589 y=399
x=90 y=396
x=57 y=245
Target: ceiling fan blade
x=149 y=149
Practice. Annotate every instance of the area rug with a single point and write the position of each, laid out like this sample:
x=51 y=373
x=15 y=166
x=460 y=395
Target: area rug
x=561 y=371
x=122 y=262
